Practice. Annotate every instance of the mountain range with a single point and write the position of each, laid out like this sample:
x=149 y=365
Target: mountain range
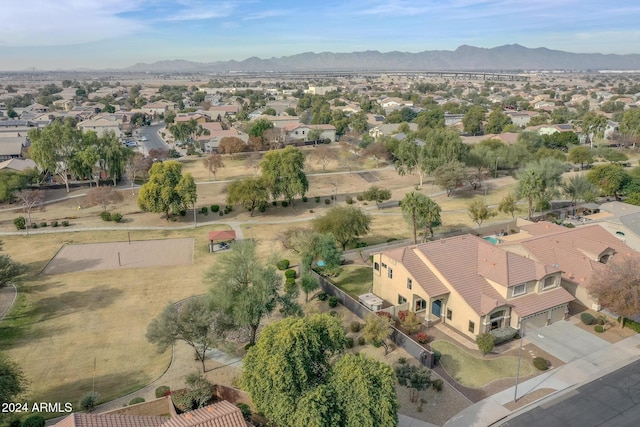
x=465 y=58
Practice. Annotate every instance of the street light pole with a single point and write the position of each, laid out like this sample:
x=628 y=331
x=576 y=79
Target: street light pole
x=496 y=174
x=195 y=221
x=335 y=194
x=515 y=393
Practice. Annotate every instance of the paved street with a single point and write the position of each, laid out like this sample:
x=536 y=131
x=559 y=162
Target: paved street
x=153 y=139
x=613 y=400
x=565 y=341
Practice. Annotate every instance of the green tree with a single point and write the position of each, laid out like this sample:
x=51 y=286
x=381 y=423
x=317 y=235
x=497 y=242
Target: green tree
x=479 y=211
x=321 y=247
x=346 y=223
x=530 y=187
x=415 y=378
x=593 y=125
x=249 y=192
x=581 y=155
x=12 y=381
x=630 y=123
x=290 y=361
x=308 y=284
x=633 y=199
x=472 y=120
x=283 y=173
x=257 y=128
x=497 y=121
x=441 y=146
x=421 y=212
x=509 y=205
x=270 y=112
x=244 y=289
x=167 y=189
x=578 y=187
x=610 y=178
x=377 y=329
x=365 y=390
x=53 y=148
x=314 y=135
x=450 y=175
x=169 y=117
x=192 y=322
x=408 y=157
x=376 y=194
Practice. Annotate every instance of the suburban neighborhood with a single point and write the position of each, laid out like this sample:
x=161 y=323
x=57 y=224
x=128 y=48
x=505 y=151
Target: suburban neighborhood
x=441 y=226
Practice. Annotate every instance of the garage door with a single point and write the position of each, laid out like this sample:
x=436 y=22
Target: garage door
x=557 y=313
x=535 y=321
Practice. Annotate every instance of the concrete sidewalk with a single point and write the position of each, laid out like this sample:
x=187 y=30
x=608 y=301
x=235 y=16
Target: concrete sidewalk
x=578 y=372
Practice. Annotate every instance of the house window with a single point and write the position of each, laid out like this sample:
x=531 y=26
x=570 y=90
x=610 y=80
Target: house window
x=519 y=290
x=472 y=327
x=421 y=305
x=549 y=282
x=384 y=265
x=390 y=274
x=409 y=283
x=401 y=299
x=496 y=319
x=376 y=266
x=449 y=314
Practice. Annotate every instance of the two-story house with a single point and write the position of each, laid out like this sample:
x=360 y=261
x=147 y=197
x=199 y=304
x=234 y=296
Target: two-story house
x=470 y=284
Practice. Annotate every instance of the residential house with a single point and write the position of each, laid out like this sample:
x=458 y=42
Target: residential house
x=521 y=118
x=17 y=165
x=452 y=119
x=64 y=104
x=222 y=414
x=544 y=105
x=159 y=107
x=224 y=110
x=12 y=147
x=576 y=252
x=185 y=117
x=299 y=131
x=388 y=129
x=550 y=129
x=321 y=90
x=281 y=121
x=470 y=284
x=621 y=220
x=102 y=124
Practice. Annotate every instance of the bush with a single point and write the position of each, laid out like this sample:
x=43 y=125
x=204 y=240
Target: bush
x=221 y=213
x=284 y=203
x=485 y=342
x=290 y=274
x=317 y=199
x=402 y=315
x=361 y=340
x=246 y=411
x=289 y=283
x=162 y=391
x=304 y=199
x=34 y=225
x=422 y=337
x=65 y=223
x=204 y=210
x=402 y=360
x=322 y=296
x=116 y=217
x=601 y=320
x=43 y=224
x=106 y=216
x=437 y=384
x=274 y=203
x=501 y=335
x=361 y=245
x=283 y=264
x=628 y=323
x=599 y=329
x=587 y=318
x=54 y=223
x=215 y=208
x=182 y=212
x=333 y=313
x=136 y=400
x=348 y=200
x=20 y=223
x=360 y=197
x=327 y=201
x=349 y=342
x=436 y=357
x=228 y=208
x=355 y=326
x=333 y=301
x=89 y=401
x=541 y=363
x=34 y=421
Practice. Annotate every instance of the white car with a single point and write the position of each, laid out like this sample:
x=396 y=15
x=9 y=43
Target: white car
x=143 y=138
x=131 y=144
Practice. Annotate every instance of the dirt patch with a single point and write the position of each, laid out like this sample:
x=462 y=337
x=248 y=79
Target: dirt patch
x=119 y=255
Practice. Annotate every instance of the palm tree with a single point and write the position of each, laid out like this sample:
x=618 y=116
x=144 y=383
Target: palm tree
x=420 y=212
x=578 y=188
x=530 y=187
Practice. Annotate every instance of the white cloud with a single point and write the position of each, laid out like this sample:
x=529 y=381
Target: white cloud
x=265 y=14
x=201 y=10
x=65 y=22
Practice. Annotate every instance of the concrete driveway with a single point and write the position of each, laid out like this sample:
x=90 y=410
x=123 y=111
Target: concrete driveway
x=564 y=340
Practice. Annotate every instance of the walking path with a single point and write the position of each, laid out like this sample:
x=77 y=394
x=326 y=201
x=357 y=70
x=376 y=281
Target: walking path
x=8 y=296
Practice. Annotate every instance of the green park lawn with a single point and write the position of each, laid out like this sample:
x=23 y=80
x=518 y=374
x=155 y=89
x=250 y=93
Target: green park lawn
x=355 y=280
x=475 y=372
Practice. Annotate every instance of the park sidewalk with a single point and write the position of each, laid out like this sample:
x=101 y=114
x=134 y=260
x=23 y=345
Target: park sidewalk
x=565 y=378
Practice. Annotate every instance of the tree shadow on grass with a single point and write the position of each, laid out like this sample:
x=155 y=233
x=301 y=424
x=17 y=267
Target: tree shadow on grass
x=109 y=387
x=92 y=299
x=66 y=265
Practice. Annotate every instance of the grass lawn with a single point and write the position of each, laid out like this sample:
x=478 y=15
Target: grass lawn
x=355 y=280
x=66 y=328
x=475 y=372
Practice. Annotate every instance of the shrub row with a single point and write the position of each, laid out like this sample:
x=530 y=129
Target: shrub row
x=587 y=318
x=628 y=323
x=501 y=335
x=108 y=216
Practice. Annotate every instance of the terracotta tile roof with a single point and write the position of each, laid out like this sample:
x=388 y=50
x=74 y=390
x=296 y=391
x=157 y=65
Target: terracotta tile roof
x=507 y=268
x=542 y=227
x=222 y=235
x=110 y=420
x=575 y=251
x=422 y=275
x=533 y=303
x=221 y=414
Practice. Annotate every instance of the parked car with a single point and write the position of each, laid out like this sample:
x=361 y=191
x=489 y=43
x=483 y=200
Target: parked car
x=143 y=138
x=131 y=144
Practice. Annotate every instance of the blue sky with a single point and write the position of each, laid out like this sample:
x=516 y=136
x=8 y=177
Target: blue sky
x=67 y=34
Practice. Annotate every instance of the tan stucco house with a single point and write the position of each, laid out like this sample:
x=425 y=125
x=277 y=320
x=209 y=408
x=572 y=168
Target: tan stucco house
x=470 y=284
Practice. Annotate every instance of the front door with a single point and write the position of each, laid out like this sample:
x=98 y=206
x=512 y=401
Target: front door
x=436 y=308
